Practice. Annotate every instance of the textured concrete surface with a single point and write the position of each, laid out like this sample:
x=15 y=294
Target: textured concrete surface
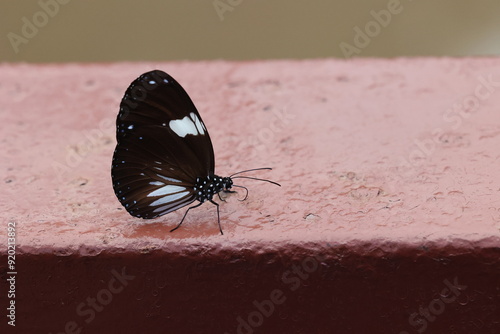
x=387 y=220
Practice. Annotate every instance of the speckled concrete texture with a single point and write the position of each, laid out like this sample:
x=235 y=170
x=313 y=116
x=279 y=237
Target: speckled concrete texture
x=387 y=220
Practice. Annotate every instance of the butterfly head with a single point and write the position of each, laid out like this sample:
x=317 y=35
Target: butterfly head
x=227 y=182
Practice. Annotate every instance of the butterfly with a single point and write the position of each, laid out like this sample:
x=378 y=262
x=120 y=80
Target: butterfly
x=164 y=159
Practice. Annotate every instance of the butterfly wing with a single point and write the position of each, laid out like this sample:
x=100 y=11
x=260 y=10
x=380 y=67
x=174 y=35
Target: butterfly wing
x=163 y=146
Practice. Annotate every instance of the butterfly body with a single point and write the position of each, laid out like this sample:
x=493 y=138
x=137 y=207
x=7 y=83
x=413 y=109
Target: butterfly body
x=206 y=188
x=164 y=159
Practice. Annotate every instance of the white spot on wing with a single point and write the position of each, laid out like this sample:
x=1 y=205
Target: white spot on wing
x=168 y=178
x=167 y=190
x=191 y=125
x=197 y=122
x=168 y=208
x=183 y=127
x=169 y=198
x=157 y=183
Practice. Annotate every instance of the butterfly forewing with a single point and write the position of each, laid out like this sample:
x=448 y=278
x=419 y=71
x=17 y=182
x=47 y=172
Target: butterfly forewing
x=163 y=146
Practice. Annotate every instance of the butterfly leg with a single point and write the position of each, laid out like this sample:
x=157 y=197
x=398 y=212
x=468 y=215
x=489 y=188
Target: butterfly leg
x=185 y=214
x=226 y=192
x=218 y=216
x=222 y=199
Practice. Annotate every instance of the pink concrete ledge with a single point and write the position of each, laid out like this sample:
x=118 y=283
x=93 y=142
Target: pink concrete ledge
x=387 y=221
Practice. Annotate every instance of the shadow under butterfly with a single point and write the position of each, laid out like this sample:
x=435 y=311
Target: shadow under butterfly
x=164 y=159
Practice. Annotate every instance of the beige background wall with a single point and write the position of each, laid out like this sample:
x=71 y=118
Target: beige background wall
x=117 y=30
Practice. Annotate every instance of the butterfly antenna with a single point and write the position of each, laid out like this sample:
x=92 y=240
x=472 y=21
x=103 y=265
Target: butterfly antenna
x=251 y=170
x=241 y=200
x=253 y=178
x=256 y=178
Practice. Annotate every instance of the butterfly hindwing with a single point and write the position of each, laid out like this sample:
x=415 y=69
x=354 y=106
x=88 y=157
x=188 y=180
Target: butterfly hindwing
x=163 y=146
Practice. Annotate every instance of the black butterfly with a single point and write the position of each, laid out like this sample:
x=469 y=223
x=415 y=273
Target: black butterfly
x=164 y=159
